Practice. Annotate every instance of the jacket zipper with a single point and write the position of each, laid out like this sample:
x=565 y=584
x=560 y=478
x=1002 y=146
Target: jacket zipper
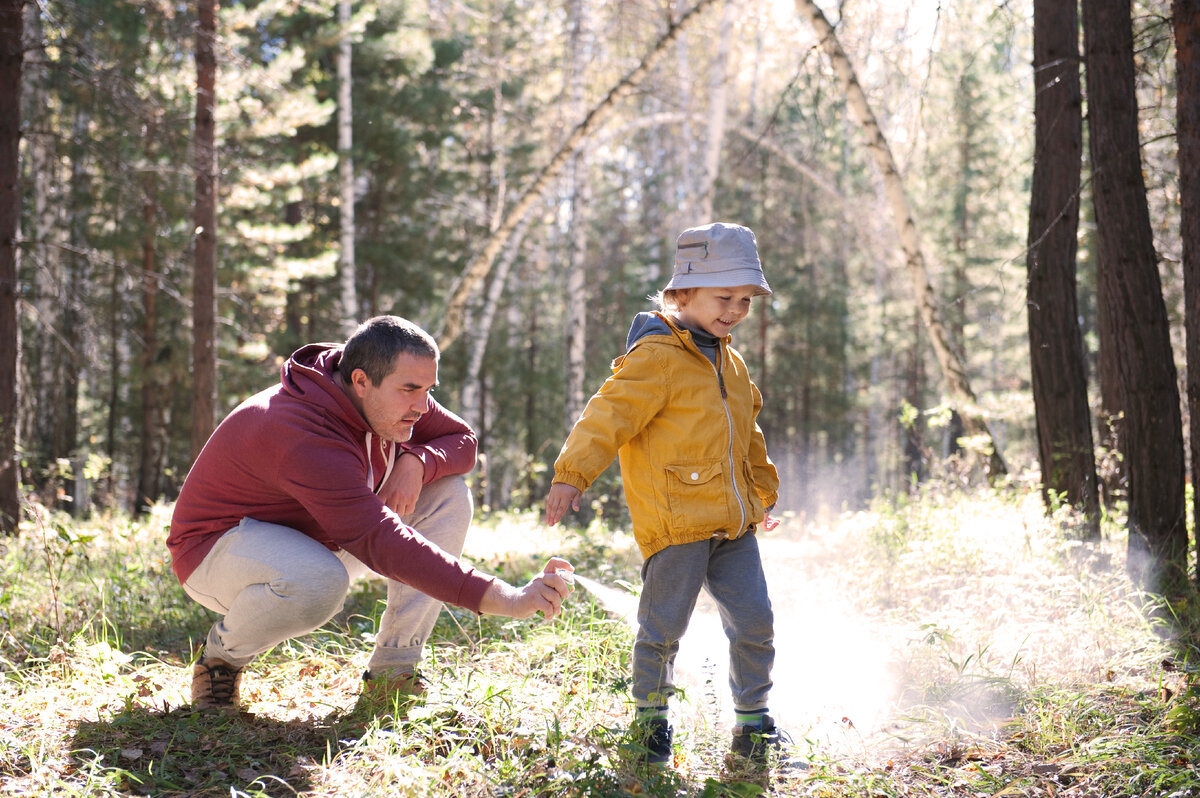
x=729 y=424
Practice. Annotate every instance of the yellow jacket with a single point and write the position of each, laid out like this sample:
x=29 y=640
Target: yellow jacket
x=693 y=460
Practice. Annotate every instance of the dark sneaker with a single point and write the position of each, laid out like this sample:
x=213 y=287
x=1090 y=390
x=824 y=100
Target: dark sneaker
x=215 y=684
x=651 y=739
x=754 y=745
x=391 y=694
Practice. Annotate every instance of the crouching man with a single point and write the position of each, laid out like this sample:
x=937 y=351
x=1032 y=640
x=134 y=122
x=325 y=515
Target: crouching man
x=348 y=465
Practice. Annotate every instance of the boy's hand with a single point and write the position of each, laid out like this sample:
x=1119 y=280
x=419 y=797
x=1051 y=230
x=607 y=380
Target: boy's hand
x=560 y=497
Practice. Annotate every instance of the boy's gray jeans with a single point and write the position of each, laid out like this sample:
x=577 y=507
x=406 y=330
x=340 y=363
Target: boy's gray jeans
x=731 y=571
x=273 y=583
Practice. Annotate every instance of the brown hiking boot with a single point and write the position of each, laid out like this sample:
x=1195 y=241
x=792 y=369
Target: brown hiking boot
x=215 y=684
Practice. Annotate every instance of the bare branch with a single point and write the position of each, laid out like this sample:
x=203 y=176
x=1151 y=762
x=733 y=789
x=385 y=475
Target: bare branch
x=481 y=264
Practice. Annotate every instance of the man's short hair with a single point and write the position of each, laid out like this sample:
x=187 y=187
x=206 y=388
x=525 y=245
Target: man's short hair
x=377 y=342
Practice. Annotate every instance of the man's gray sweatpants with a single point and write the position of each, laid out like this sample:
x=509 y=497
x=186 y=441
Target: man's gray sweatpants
x=273 y=583
x=731 y=571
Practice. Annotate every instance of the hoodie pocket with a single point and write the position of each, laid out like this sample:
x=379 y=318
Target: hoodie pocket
x=695 y=493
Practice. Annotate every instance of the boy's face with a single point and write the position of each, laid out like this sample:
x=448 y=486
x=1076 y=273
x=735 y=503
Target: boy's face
x=716 y=310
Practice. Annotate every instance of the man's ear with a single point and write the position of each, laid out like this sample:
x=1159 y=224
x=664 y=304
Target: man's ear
x=360 y=382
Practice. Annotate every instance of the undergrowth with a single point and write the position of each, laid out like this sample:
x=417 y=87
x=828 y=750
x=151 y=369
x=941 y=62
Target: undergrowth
x=1020 y=661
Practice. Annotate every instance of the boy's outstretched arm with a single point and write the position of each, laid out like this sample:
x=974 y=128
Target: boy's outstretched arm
x=560 y=497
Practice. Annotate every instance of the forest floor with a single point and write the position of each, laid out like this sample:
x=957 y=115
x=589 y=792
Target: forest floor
x=951 y=644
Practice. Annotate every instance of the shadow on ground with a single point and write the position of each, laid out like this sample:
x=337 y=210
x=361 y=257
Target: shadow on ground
x=185 y=751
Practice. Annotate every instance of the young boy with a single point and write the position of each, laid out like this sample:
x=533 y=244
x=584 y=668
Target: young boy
x=680 y=410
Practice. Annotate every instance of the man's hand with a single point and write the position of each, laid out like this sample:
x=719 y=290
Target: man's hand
x=402 y=487
x=560 y=497
x=544 y=593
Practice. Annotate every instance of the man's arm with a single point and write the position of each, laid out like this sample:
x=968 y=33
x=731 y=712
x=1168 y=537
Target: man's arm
x=402 y=487
x=327 y=478
x=443 y=442
x=544 y=593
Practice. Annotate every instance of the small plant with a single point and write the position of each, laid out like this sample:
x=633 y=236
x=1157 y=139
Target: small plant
x=60 y=541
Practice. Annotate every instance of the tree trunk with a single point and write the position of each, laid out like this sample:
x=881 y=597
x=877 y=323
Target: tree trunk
x=953 y=371
x=575 y=319
x=912 y=447
x=1137 y=349
x=45 y=250
x=714 y=138
x=204 y=272
x=11 y=58
x=473 y=399
x=76 y=295
x=1186 y=16
x=115 y=417
x=474 y=410
x=148 y=474
x=479 y=266
x=679 y=156
x=956 y=315
x=345 y=126
x=1059 y=375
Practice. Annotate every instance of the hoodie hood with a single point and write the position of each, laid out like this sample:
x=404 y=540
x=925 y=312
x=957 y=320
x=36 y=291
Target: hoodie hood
x=653 y=323
x=646 y=324
x=311 y=374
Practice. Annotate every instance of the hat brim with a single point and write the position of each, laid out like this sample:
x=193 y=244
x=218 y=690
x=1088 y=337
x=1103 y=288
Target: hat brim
x=733 y=278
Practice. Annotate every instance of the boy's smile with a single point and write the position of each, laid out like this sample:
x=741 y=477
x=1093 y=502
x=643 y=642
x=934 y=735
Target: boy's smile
x=717 y=310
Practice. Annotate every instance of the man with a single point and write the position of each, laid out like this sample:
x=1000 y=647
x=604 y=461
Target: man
x=347 y=465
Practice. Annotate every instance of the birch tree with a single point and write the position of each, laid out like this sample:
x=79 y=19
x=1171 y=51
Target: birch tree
x=472 y=398
x=575 y=318
x=950 y=362
x=683 y=194
x=718 y=107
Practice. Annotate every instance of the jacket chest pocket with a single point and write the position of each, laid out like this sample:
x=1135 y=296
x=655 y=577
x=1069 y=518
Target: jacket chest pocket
x=696 y=495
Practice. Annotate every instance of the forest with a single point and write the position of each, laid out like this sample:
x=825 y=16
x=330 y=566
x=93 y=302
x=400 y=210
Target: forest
x=978 y=218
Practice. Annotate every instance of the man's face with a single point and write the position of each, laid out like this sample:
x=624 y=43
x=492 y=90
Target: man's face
x=392 y=407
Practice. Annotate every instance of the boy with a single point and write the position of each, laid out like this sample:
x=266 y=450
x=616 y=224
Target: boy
x=679 y=410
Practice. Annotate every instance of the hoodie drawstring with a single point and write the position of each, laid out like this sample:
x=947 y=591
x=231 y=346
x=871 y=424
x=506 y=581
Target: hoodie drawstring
x=389 y=455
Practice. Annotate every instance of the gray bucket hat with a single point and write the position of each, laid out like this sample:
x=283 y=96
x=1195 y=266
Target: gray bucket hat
x=718 y=255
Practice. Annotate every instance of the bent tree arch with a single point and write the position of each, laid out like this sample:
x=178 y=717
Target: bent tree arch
x=481 y=264
x=949 y=361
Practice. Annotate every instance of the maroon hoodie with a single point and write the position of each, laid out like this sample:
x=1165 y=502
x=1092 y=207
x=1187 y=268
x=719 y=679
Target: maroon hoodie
x=301 y=455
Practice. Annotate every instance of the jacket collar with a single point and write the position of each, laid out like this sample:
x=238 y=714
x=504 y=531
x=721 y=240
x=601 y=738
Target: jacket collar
x=656 y=323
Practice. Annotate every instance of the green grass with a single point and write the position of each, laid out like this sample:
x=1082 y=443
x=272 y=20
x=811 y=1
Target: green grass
x=1024 y=664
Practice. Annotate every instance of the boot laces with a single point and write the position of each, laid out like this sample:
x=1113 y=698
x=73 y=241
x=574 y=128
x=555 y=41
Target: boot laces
x=222 y=682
